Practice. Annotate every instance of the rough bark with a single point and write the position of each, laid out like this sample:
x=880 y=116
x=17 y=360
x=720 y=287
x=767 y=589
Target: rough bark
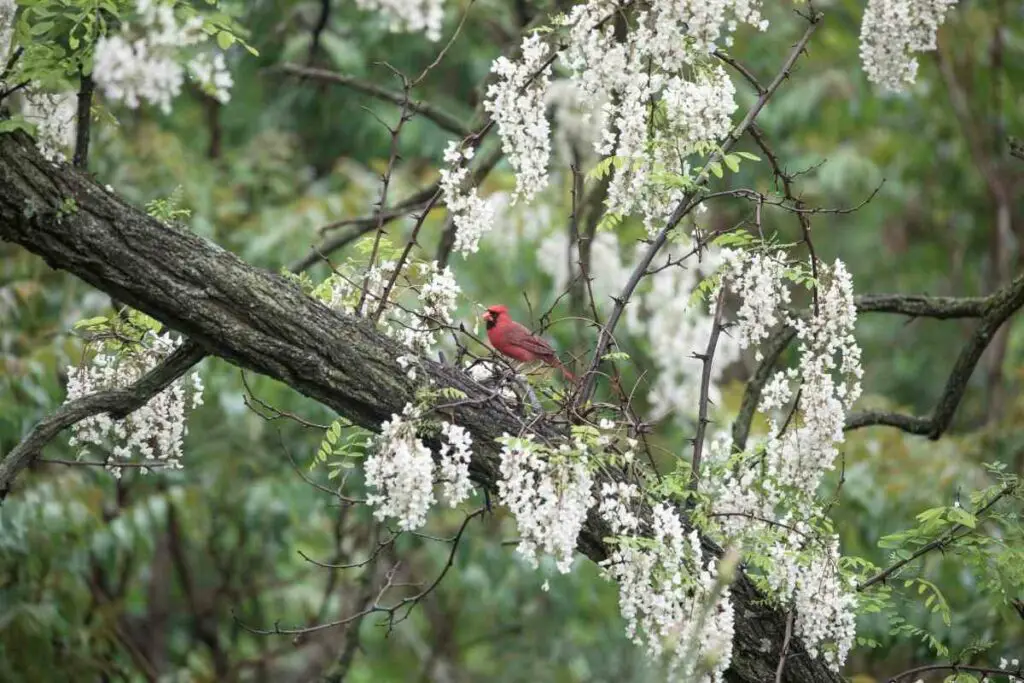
x=257 y=320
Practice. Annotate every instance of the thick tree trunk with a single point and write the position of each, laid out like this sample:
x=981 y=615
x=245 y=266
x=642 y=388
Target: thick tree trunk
x=257 y=320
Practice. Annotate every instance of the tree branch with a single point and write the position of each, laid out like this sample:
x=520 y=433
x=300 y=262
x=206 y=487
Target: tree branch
x=258 y=320
x=443 y=119
x=116 y=402
x=995 y=308
x=938 y=543
x=683 y=208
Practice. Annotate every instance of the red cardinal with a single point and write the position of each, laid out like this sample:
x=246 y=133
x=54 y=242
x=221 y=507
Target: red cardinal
x=515 y=341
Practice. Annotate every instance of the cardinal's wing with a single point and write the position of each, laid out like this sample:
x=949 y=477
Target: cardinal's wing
x=522 y=338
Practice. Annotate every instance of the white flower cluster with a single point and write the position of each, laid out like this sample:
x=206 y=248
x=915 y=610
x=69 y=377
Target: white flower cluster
x=409 y=16
x=400 y=469
x=1010 y=665
x=154 y=433
x=767 y=506
x=516 y=102
x=892 y=31
x=663 y=58
x=440 y=295
x=674 y=326
x=825 y=608
x=417 y=330
x=472 y=215
x=146 y=61
x=803 y=454
x=54 y=115
x=665 y=588
x=454 y=463
x=549 y=497
x=758 y=281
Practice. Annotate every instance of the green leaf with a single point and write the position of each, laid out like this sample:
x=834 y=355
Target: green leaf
x=748 y=155
x=733 y=162
x=16 y=123
x=961 y=516
x=716 y=168
x=40 y=28
x=225 y=40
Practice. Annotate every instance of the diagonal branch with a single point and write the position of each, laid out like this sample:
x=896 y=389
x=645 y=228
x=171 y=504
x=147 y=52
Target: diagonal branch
x=258 y=320
x=683 y=208
x=997 y=307
x=442 y=118
x=939 y=543
x=116 y=402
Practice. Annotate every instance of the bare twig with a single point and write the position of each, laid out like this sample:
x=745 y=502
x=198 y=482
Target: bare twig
x=443 y=119
x=785 y=647
x=707 y=359
x=683 y=208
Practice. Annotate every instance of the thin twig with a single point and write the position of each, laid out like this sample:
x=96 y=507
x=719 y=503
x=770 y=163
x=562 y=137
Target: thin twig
x=940 y=542
x=443 y=119
x=707 y=359
x=683 y=208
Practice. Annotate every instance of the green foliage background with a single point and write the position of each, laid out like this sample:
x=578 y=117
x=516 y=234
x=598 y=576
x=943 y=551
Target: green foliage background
x=101 y=579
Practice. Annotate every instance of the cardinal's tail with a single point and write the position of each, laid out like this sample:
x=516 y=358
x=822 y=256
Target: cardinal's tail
x=558 y=364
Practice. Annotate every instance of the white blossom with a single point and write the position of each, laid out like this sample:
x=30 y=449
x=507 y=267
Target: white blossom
x=399 y=472
x=54 y=115
x=516 y=103
x=758 y=281
x=665 y=589
x=549 y=498
x=409 y=16
x=440 y=295
x=453 y=467
x=211 y=73
x=892 y=31
x=153 y=433
x=472 y=215
x=148 y=62
x=768 y=502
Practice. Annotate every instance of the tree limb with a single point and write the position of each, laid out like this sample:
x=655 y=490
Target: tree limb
x=443 y=119
x=116 y=402
x=258 y=320
x=996 y=308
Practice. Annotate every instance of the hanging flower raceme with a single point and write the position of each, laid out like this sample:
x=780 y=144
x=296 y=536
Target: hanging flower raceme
x=548 y=494
x=151 y=435
x=669 y=597
x=892 y=31
x=400 y=472
x=147 y=60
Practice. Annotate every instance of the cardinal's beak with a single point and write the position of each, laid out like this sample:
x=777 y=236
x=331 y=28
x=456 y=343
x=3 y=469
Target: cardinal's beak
x=486 y=317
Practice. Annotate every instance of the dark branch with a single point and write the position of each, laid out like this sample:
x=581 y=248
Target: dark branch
x=997 y=308
x=83 y=122
x=116 y=402
x=443 y=119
